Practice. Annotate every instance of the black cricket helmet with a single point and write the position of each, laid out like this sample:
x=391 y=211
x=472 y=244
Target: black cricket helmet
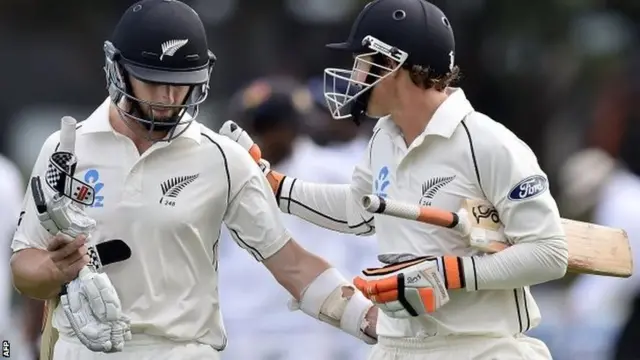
x=160 y=42
x=408 y=32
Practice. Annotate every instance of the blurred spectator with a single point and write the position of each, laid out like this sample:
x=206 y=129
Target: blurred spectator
x=269 y=109
x=11 y=193
x=605 y=308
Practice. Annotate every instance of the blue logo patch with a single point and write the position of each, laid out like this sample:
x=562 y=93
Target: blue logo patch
x=529 y=187
x=92 y=177
x=381 y=183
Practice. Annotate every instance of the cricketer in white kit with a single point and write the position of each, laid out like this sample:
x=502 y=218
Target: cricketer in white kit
x=165 y=184
x=438 y=298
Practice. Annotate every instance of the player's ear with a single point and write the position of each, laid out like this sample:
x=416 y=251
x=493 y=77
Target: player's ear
x=392 y=64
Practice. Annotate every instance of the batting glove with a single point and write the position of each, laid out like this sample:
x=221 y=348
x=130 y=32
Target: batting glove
x=414 y=287
x=234 y=132
x=90 y=302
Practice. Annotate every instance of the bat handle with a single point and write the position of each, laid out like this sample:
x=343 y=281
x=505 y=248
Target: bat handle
x=426 y=214
x=67 y=134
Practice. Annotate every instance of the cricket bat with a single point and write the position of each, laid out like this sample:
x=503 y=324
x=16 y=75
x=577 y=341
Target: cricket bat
x=49 y=333
x=593 y=249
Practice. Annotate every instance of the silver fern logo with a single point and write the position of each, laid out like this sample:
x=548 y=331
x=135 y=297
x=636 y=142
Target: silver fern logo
x=430 y=188
x=172 y=188
x=170 y=47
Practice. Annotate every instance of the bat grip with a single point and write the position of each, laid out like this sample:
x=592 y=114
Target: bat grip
x=67 y=134
x=426 y=214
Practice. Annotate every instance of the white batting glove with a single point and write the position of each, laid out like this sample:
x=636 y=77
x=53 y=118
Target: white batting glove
x=120 y=332
x=234 y=132
x=90 y=330
x=90 y=302
x=65 y=216
x=93 y=308
x=413 y=287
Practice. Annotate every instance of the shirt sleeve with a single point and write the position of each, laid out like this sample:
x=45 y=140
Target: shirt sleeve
x=333 y=206
x=252 y=215
x=30 y=233
x=512 y=180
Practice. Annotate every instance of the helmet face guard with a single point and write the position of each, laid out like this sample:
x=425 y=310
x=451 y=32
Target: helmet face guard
x=130 y=107
x=361 y=78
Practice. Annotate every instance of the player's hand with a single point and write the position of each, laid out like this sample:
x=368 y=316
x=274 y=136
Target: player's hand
x=68 y=255
x=411 y=288
x=234 y=132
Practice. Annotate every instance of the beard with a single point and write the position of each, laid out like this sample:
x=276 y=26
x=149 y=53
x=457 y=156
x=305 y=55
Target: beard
x=165 y=122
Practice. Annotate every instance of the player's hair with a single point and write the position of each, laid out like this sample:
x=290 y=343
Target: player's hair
x=422 y=77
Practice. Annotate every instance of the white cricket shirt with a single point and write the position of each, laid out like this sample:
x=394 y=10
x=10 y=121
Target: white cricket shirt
x=462 y=154
x=168 y=205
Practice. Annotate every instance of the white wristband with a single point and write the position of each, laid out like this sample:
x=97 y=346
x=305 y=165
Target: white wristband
x=346 y=314
x=319 y=290
x=353 y=318
x=469 y=269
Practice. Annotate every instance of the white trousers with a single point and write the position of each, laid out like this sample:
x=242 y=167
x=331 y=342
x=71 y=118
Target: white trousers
x=141 y=347
x=520 y=347
x=295 y=346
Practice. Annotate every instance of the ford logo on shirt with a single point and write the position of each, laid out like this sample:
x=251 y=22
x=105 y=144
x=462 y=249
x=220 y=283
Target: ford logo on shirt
x=528 y=188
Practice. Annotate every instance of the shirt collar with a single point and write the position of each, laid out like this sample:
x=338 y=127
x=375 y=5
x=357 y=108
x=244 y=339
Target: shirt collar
x=449 y=114
x=444 y=121
x=98 y=122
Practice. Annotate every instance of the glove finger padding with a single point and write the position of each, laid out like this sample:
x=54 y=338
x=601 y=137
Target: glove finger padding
x=119 y=332
x=103 y=299
x=109 y=297
x=407 y=289
x=95 y=313
x=91 y=332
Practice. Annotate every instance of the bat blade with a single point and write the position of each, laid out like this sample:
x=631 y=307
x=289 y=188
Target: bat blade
x=49 y=334
x=593 y=249
x=598 y=250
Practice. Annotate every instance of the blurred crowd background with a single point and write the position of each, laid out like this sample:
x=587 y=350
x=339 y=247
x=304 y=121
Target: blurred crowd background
x=564 y=75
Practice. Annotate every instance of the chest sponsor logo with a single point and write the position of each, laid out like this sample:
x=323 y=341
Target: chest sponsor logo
x=92 y=177
x=382 y=182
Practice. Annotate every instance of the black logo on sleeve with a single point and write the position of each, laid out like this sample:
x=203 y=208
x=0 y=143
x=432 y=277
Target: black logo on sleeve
x=173 y=187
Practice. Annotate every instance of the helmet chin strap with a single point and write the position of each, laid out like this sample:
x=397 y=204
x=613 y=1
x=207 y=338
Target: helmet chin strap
x=359 y=107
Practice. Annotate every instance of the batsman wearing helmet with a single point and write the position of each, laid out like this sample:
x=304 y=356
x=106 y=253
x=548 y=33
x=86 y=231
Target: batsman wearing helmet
x=439 y=298
x=143 y=171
